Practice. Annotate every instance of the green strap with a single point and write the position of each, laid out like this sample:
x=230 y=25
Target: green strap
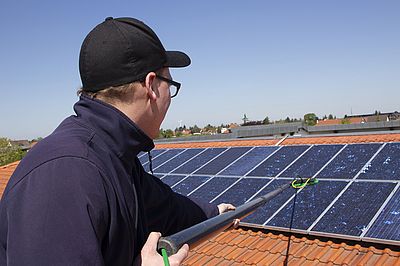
x=299 y=183
x=165 y=256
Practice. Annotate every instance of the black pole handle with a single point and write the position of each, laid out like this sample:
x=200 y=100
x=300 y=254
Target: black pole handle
x=198 y=233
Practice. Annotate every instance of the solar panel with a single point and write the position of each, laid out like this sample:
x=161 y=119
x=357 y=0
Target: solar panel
x=199 y=161
x=386 y=165
x=171 y=180
x=352 y=212
x=278 y=161
x=312 y=161
x=144 y=158
x=261 y=215
x=162 y=158
x=177 y=161
x=310 y=203
x=222 y=161
x=349 y=161
x=240 y=192
x=213 y=188
x=186 y=185
x=358 y=195
x=248 y=161
x=387 y=225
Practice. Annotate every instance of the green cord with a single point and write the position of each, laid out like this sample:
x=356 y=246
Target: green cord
x=165 y=256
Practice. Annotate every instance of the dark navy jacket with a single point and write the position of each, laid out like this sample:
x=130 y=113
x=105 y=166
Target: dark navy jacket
x=81 y=196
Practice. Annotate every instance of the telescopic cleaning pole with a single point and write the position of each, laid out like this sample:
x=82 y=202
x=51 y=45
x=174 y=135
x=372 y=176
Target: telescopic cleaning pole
x=196 y=234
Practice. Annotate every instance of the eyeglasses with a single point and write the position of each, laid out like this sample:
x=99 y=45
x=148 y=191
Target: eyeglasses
x=174 y=86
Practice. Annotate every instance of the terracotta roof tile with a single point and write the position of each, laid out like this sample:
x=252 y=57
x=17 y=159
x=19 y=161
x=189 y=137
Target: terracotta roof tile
x=247 y=242
x=289 y=141
x=270 y=248
x=226 y=250
x=212 y=144
x=192 y=259
x=343 y=139
x=203 y=260
x=5 y=174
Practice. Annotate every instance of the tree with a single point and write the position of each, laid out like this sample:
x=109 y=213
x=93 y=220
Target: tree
x=266 y=121
x=195 y=129
x=245 y=119
x=166 y=133
x=209 y=128
x=345 y=121
x=9 y=153
x=310 y=119
x=287 y=120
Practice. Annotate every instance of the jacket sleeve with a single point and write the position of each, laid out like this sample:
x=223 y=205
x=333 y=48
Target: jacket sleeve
x=55 y=215
x=169 y=212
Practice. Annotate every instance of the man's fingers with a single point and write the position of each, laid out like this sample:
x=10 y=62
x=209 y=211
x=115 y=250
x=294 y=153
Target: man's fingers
x=230 y=207
x=151 y=243
x=224 y=207
x=178 y=257
x=236 y=223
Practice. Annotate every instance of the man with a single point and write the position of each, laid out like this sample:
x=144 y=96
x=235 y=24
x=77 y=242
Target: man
x=81 y=196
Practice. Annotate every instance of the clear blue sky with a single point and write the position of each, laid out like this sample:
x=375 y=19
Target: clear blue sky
x=262 y=58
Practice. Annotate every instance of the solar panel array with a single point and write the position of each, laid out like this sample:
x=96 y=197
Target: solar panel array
x=357 y=196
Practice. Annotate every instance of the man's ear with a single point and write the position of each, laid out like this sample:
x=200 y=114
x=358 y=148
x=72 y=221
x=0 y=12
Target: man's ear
x=149 y=83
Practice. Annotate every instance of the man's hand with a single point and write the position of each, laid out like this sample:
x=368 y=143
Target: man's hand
x=150 y=256
x=224 y=207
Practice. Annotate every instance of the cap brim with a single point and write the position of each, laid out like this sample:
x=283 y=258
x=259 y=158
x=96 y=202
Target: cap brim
x=177 y=59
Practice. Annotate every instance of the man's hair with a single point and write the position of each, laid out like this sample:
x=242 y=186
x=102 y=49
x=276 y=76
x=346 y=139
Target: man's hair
x=114 y=95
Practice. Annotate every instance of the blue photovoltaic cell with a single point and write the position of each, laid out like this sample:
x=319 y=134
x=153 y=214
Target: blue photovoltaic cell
x=386 y=165
x=165 y=156
x=144 y=159
x=213 y=188
x=263 y=213
x=199 y=161
x=222 y=161
x=387 y=226
x=310 y=203
x=177 y=161
x=171 y=180
x=159 y=176
x=278 y=161
x=352 y=212
x=190 y=183
x=349 y=161
x=242 y=191
x=141 y=156
x=312 y=161
x=248 y=161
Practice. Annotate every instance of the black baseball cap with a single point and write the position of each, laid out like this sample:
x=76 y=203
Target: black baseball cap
x=123 y=50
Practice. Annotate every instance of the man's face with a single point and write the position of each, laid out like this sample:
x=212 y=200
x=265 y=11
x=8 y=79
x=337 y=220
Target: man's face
x=162 y=91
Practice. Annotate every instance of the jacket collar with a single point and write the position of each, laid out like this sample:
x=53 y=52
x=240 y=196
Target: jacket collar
x=118 y=131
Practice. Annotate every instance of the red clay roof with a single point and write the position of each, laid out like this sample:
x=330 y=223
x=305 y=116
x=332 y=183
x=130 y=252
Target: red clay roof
x=343 y=139
x=212 y=144
x=350 y=120
x=5 y=173
x=245 y=247
x=287 y=141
